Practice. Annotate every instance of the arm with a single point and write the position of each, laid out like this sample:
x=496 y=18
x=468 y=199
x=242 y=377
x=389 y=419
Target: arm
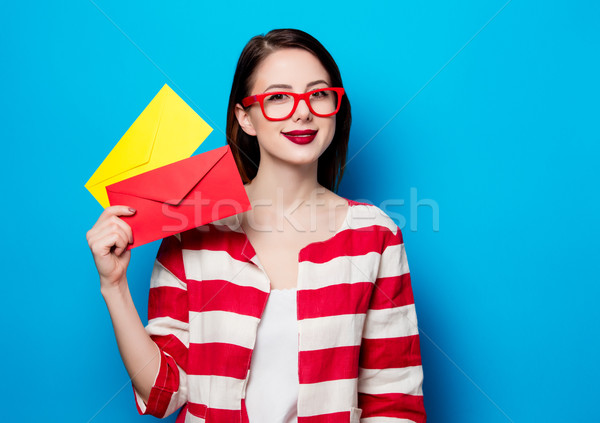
x=138 y=352
x=390 y=373
x=154 y=373
x=108 y=240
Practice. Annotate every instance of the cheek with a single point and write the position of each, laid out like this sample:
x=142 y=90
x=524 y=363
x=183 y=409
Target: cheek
x=262 y=126
x=267 y=132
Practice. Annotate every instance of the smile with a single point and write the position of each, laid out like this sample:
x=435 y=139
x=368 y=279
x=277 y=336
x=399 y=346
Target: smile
x=301 y=137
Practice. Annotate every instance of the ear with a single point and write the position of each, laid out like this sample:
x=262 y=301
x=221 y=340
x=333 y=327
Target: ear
x=244 y=120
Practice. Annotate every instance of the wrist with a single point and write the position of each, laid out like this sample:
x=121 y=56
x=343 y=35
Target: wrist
x=114 y=290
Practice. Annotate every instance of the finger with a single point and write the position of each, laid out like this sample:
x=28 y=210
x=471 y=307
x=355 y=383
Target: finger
x=119 y=250
x=118 y=223
x=111 y=222
x=120 y=244
x=106 y=245
x=122 y=251
x=104 y=241
x=107 y=214
x=97 y=236
x=116 y=211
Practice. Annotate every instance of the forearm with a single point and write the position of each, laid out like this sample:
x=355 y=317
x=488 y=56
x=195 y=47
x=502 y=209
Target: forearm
x=139 y=353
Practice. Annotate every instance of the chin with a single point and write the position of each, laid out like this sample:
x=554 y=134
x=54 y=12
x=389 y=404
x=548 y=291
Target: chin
x=297 y=155
x=307 y=156
x=301 y=161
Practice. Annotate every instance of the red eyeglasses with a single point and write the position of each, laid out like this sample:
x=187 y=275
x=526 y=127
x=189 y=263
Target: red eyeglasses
x=281 y=105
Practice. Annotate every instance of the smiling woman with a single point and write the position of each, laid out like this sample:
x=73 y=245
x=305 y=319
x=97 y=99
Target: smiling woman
x=300 y=309
x=303 y=73
x=248 y=72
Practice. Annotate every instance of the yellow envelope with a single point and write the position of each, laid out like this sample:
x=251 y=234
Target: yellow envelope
x=168 y=130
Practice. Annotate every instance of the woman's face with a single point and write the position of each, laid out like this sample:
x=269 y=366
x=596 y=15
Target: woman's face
x=298 y=71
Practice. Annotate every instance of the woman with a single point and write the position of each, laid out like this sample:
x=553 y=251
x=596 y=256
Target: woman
x=300 y=309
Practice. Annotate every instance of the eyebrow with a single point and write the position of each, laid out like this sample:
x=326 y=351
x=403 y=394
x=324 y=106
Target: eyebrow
x=289 y=87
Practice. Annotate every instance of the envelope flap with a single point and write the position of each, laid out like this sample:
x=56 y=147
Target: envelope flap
x=171 y=183
x=130 y=152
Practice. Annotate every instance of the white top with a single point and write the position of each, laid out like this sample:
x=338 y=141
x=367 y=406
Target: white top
x=272 y=390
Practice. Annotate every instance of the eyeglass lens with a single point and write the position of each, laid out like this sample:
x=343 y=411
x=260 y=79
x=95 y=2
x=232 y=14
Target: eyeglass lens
x=277 y=106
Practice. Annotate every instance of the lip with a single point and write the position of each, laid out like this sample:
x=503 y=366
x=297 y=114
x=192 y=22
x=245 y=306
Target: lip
x=304 y=136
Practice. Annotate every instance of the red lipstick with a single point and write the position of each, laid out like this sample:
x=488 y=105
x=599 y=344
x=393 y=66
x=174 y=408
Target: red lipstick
x=301 y=137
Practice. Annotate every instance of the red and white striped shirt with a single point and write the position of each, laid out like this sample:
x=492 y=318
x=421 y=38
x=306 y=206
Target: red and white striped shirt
x=359 y=357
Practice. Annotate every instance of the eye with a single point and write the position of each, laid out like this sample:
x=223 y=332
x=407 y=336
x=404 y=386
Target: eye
x=277 y=97
x=320 y=94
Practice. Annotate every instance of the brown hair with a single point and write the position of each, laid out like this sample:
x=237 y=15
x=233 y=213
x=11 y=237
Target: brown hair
x=245 y=147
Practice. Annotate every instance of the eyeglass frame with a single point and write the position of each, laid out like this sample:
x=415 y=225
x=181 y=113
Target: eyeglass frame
x=248 y=101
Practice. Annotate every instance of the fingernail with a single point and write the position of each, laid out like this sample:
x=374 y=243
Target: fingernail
x=132 y=210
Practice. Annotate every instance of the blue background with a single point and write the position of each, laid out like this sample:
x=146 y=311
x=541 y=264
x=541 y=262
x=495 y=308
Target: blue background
x=501 y=138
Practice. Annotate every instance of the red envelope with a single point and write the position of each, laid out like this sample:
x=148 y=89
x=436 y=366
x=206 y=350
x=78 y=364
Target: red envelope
x=181 y=196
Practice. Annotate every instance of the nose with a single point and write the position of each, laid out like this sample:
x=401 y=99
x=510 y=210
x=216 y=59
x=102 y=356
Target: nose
x=302 y=111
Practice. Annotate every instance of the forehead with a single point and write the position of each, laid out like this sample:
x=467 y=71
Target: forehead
x=290 y=66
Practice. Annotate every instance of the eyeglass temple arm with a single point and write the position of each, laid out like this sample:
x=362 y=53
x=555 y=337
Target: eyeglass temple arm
x=249 y=100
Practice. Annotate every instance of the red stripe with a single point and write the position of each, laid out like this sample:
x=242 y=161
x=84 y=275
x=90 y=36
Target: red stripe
x=216 y=238
x=329 y=364
x=351 y=242
x=390 y=352
x=170 y=381
x=210 y=295
x=391 y=292
x=169 y=255
x=220 y=359
x=172 y=346
x=182 y=413
x=244 y=412
x=401 y=406
x=198 y=410
x=356 y=203
x=333 y=300
x=167 y=382
x=341 y=417
x=221 y=415
x=168 y=301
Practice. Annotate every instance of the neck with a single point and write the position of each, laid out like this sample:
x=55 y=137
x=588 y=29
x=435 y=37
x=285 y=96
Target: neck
x=285 y=184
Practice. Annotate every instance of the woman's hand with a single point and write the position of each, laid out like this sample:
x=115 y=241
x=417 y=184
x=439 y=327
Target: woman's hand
x=108 y=240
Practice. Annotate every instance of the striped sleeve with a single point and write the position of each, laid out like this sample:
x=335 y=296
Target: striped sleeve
x=390 y=373
x=168 y=327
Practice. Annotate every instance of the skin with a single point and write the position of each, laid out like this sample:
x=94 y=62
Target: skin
x=290 y=208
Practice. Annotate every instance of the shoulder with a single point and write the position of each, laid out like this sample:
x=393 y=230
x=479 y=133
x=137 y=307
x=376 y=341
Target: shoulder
x=331 y=199
x=365 y=215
